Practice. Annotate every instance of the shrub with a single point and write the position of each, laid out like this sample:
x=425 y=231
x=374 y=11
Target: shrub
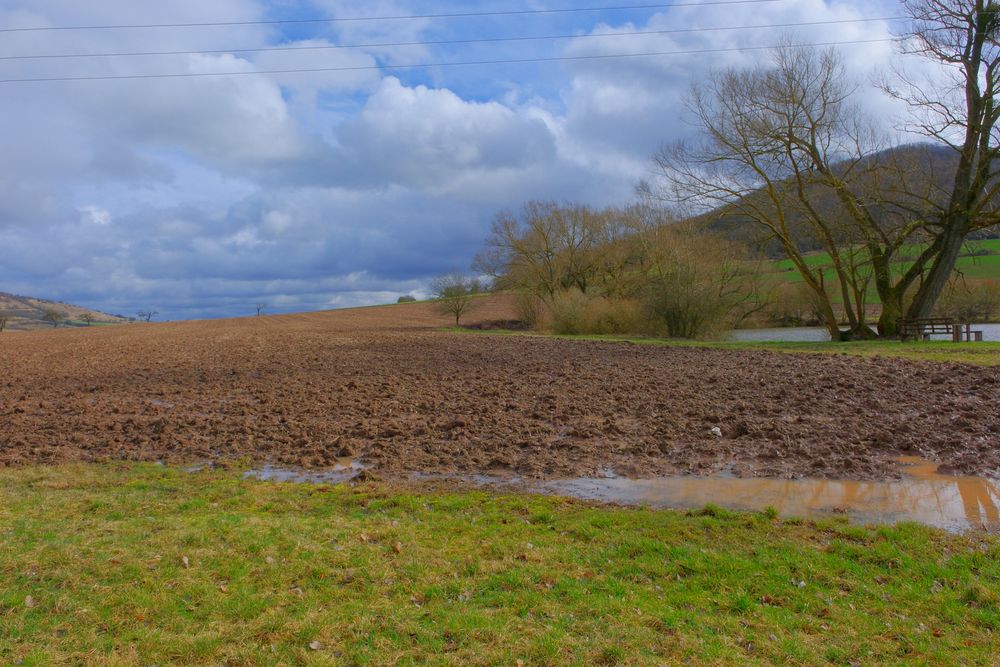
x=573 y=312
x=700 y=284
x=970 y=300
x=792 y=305
x=528 y=308
x=566 y=312
x=406 y=298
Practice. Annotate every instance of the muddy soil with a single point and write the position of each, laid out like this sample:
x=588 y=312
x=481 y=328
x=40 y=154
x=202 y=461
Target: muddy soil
x=382 y=385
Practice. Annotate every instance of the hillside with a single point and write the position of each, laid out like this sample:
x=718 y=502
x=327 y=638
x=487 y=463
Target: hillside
x=25 y=312
x=919 y=169
x=980 y=260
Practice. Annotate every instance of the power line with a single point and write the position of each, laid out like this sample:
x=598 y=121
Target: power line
x=520 y=12
x=112 y=77
x=483 y=40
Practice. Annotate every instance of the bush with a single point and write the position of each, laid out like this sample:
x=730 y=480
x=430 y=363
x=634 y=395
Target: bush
x=701 y=284
x=970 y=300
x=528 y=308
x=573 y=312
x=793 y=305
x=406 y=298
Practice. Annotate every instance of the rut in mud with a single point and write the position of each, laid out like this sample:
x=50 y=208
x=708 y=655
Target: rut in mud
x=380 y=384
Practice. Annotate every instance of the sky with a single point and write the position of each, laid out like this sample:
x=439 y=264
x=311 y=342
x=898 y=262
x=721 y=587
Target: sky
x=200 y=196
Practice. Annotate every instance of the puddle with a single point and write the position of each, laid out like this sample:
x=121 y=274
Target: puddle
x=954 y=503
x=344 y=470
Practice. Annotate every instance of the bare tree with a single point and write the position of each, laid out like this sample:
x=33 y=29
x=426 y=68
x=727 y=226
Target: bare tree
x=455 y=293
x=88 y=318
x=960 y=113
x=53 y=316
x=785 y=148
x=147 y=315
x=260 y=308
x=5 y=315
x=547 y=249
x=698 y=284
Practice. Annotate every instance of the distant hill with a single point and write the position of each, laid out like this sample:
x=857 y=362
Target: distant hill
x=918 y=168
x=25 y=312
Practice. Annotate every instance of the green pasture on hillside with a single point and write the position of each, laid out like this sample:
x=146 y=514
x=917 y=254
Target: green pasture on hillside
x=970 y=265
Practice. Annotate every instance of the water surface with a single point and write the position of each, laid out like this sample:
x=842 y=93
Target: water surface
x=991 y=332
x=923 y=495
x=952 y=502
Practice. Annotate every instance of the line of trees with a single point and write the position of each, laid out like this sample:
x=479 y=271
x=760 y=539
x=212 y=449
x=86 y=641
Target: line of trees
x=619 y=270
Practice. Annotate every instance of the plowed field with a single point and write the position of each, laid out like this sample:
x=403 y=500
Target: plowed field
x=380 y=384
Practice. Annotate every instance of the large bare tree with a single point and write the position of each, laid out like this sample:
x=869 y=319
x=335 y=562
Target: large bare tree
x=785 y=146
x=960 y=112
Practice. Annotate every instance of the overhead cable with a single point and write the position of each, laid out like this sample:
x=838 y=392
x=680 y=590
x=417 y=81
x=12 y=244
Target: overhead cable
x=347 y=19
x=446 y=42
x=504 y=61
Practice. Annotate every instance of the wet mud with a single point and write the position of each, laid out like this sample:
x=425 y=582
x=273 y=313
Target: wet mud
x=381 y=386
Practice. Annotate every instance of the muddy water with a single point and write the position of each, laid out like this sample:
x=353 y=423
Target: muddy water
x=923 y=495
x=344 y=470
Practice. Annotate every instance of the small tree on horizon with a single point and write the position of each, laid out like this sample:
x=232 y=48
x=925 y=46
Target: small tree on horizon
x=147 y=315
x=260 y=308
x=52 y=316
x=454 y=293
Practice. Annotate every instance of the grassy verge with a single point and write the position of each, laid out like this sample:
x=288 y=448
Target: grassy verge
x=981 y=354
x=141 y=564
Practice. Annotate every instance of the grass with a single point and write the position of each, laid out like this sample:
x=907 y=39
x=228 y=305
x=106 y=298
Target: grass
x=141 y=564
x=981 y=354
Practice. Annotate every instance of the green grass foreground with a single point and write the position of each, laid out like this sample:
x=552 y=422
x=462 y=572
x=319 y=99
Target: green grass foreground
x=981 y=354
x=141 y=564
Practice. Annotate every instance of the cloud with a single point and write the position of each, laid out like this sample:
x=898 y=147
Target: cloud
x=425 y=137
x=199 y=196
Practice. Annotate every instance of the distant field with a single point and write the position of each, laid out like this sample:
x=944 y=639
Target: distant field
x=28 y=313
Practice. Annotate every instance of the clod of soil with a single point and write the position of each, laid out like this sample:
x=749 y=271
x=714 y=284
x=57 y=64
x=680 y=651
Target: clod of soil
x=380 y=384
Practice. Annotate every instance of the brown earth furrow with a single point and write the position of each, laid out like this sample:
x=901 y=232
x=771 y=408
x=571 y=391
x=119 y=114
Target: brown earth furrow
x=378 y=383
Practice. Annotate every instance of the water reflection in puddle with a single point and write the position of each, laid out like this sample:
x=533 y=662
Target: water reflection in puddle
x=952 y=502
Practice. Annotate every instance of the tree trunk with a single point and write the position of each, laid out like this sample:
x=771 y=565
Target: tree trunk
x=892 y=312
x=944 y=264
x=829 y=317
